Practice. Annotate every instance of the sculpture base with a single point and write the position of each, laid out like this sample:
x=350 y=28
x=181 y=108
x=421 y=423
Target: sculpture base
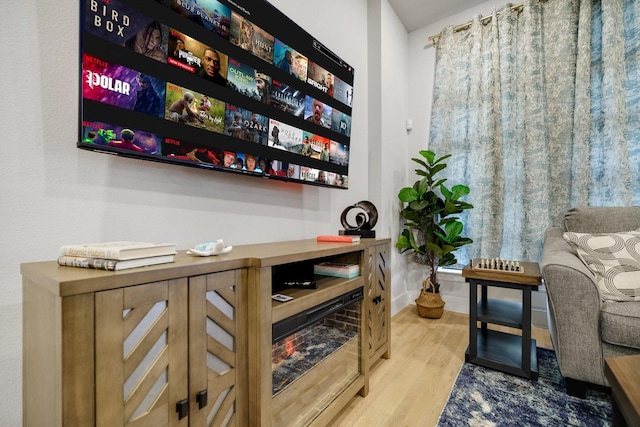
x=366 y=234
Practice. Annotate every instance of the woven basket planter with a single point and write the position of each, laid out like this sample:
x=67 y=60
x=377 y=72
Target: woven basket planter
x=430 y=304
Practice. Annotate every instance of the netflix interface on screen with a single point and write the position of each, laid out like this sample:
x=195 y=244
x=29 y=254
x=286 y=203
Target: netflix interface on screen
x=215 y=84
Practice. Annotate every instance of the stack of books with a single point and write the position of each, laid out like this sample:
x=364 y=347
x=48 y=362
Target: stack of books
x=337 y=269
x=116 y=255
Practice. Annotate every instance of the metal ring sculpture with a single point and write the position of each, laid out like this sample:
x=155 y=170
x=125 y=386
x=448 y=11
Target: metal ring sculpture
x=364 y=221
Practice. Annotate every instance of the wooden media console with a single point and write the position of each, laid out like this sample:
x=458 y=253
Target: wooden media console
x=188 y=343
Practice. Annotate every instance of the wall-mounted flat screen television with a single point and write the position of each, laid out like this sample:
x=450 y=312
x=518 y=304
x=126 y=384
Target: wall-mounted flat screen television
x=226 y=85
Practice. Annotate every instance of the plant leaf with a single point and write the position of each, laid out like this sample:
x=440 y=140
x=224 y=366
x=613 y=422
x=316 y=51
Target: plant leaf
x=445 y=192
x=439 y=183
x=423 y=186
x=461 y=241
x=435 y=248
x=446 y=156
x=403 y=241
x=418 y=205
x=453 y=230
x=408 y=195
x=448 y=259
x=450 y=208
x=420 y=161
x=447 y=249
x=429 y=155
x=437 y=168
x=448 y=219
x=459 y=191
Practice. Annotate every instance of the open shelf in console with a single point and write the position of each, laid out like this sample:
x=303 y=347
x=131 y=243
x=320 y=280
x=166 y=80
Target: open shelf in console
x=304 y=298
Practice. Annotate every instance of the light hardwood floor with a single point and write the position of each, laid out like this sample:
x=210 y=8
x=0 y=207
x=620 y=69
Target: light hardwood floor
x=411 y=388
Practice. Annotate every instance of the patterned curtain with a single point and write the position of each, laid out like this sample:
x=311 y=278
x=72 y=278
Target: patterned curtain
x=541 y=111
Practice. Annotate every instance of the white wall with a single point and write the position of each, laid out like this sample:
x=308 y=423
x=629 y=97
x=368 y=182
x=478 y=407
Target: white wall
x=53 y=193
x=394 y=90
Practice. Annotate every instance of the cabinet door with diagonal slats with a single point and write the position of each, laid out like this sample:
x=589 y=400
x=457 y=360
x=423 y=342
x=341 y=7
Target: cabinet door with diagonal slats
x=378 y=301
x=141 y=355
x=217 y=350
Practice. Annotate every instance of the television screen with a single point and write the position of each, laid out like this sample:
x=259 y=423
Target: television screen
x=218 y=84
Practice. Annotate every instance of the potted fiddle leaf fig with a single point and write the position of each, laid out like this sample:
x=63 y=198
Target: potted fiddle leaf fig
x=433 y=231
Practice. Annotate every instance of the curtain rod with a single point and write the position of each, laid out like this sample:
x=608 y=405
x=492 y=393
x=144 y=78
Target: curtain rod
x=434 y=38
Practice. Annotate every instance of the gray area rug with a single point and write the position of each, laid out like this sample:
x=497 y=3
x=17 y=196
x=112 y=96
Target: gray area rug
x=485 y=397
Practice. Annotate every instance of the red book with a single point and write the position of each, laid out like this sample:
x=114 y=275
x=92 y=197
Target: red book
x=338 y=238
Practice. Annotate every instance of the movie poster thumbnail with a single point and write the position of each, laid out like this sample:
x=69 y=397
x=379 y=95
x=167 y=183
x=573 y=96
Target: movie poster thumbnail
x=210 y=14
x=286 y=98
x=336 y=179
x=339 y=154
x=293 y=171
x=343 y=92
x=264 y=166
x=322 y=177
x=107 y=135
x=263 y=86
x=250 y=37
x=239 y=163
x=310 y=174
x=259 y=126
x=278 y=168
x=317 y=112
x=320 y=78
x=197 y=58
x=251 y=163
x=185 y=52
x=121 y=86
x=300 y=65
x=249 y=82
x=242 y=79
x=284 y=137
x=290 y=61
x=315 y=146
x=229 y=159
x=194 y=109
x=181 y=150
x=112 y=21
x=286 y=169
x=244 y=124
x=340 y=123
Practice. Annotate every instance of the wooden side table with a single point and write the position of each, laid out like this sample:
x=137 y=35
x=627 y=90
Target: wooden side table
x=502 y=351
x=623 y=374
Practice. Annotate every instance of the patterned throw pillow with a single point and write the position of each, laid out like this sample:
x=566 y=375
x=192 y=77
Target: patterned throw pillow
x=614 y=258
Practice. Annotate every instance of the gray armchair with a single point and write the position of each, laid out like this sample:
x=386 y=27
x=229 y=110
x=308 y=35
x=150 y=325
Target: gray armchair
x=584 y=328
